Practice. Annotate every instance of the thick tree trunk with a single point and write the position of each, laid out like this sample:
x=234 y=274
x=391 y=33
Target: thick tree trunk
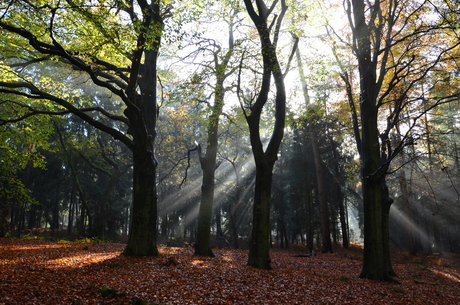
x=376 y=262
x=373 y=261
x=376 y=202
x=386 y=205
x=260 y=243
x=143 y=228
x=142 y=232
x=208 y=164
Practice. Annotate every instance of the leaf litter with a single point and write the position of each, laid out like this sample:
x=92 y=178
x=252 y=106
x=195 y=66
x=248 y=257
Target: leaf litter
x=45 y=272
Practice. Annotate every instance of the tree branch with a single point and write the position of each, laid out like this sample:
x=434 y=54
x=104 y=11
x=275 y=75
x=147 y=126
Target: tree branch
x=36 y=93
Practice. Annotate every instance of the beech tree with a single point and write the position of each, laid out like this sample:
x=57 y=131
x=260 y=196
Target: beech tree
x=391 y=41
x=208 y=158
x=265 y=158
x=115 y=44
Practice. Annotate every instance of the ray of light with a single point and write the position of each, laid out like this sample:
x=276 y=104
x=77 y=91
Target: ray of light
x=408 y=221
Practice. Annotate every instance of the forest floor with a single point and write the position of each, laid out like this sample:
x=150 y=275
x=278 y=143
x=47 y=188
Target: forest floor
x=45 y=272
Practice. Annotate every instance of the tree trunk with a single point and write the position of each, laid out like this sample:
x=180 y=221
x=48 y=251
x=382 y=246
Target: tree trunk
x=373 y=262
x=280 y=208
x=259 y=256
x=55 y=221
x=81 y=229
x=142 y=232
x=260 y=243
x=33 y=217
x=164 y=227
x=208 y=165
x=208 y=162
x=71 y=211
x=218 y=215
x=143 y=228
x=376 y=261
x=4 y=205
x=326 y=245
x=386 y=202
x=343 y=219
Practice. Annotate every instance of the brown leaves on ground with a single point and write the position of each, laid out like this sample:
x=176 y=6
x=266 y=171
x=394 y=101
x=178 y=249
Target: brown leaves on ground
x=41 y=272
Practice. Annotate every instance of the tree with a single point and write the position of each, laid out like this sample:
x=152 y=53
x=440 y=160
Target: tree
x=95 y=41
x=391 y=44
x=22 y=149
x=208 y=159
x=265 y=159
x=236 y=151
x=314 y=133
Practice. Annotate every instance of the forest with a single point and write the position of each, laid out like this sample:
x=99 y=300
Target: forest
x=233 y=124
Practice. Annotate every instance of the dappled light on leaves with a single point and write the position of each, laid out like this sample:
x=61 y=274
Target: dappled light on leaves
x=41 y=272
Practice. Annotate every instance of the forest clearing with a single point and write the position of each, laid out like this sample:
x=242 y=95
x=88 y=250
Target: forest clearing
x=232 y=124
x=45 y=272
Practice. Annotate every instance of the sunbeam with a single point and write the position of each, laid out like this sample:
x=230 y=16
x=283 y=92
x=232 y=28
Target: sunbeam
x=187 y=198
x=407 y=221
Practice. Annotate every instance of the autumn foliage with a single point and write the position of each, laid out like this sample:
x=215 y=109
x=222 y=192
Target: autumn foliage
x=43 y=272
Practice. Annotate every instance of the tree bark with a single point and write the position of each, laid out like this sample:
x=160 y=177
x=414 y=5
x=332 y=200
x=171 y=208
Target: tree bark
x=259 y=249
x=208 y=162
x=142 y=232
x=259 y=256
x=143 y=229
x=376 y=261
x=208 y=165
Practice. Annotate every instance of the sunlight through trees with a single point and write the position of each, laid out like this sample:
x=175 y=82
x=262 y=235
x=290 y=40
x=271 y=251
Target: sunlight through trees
x=248 y=124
